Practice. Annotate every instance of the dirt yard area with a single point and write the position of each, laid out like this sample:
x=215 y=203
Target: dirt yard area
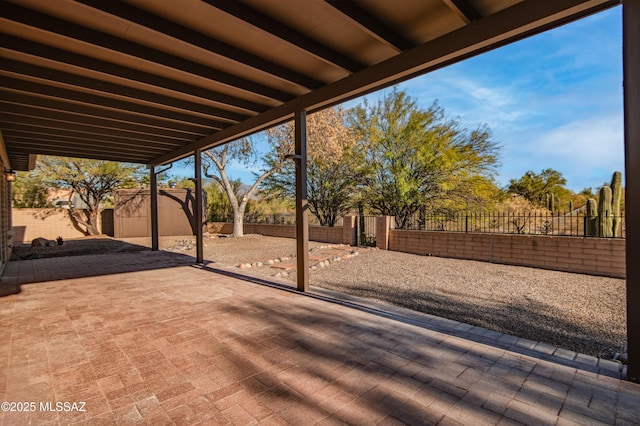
x=75 y=247
x=578 y=312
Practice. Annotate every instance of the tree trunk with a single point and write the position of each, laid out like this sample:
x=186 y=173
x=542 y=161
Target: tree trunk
x=238 y=223
x=87 y=227
x=92 y=225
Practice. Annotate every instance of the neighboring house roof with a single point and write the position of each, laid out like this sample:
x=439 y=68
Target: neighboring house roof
x=60 y=198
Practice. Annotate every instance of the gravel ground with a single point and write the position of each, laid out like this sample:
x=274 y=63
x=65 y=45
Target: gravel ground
x=225 y=250
x=582 y=313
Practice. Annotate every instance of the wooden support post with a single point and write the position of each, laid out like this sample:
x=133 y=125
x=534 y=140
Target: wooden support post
x=302 y=219
x=197 y=210
x=154 y=209
x=631 y=78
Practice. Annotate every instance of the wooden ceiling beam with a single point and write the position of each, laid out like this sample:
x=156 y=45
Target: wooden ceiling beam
x=371 y=24
x=259 y=20
x=179 y=32
x=31 y=139
x=74 y=31
x=86 y=134
x=62 y=148
x=464 y=10
x=16 y=113
x=41 y=89
x=32 y=100
x=80 y=81
x=62 y=56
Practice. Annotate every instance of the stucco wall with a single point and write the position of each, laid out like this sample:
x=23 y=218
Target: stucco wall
x=46 y=223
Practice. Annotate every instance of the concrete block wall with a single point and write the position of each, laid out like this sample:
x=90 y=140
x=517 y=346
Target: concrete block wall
x=349 y=235
x=283 y=231
x=384 y=225
x=594 y=256
x=323 y=234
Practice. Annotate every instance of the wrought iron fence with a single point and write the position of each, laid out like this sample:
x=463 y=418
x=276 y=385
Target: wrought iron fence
x=366 y=230
x=535 y=223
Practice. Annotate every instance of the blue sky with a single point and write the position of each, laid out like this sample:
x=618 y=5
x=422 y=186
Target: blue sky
x=552 y=101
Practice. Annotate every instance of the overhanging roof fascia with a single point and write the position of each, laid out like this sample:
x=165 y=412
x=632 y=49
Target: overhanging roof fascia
x=514 y=23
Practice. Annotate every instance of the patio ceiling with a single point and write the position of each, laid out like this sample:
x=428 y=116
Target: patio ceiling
x=150 y=81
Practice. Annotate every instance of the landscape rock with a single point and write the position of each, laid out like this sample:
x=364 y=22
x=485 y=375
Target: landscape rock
x=42 y=242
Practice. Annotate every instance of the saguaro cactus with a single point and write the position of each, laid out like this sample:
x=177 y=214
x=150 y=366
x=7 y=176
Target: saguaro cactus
x=591 y=218
x=605 y=217
x=551 y=201
x=616 y=201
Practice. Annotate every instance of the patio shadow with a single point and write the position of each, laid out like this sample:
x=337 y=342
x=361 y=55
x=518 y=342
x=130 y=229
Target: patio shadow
x=431 y=321
x=98 y=257
x=74 y=247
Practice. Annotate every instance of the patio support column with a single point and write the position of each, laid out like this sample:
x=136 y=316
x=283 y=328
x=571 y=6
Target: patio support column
x=197 y=210
x=631 y=79
x=154 y=208
x=302 y=218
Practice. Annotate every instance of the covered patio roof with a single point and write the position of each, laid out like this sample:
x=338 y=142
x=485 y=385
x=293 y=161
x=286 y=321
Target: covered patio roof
x=150 y=82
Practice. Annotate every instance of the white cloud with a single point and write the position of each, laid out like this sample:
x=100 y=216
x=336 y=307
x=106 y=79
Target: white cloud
x=586 y=151
x=471 y=99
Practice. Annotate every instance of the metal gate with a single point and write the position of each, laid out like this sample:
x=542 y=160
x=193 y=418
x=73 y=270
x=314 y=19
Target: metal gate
x=366 y=231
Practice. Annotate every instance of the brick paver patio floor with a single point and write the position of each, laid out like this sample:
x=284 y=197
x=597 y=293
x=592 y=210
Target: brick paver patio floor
x=166 y=342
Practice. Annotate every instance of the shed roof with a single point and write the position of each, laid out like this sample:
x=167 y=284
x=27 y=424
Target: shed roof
x=149 y=82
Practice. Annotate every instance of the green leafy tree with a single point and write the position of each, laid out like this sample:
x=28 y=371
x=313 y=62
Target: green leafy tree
x=334 y=167
x=219 y=207
x=92 y=180
x=579 y=200
x=535 y=186
x=181 y=183
x=29 y=191
x=418 y=158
